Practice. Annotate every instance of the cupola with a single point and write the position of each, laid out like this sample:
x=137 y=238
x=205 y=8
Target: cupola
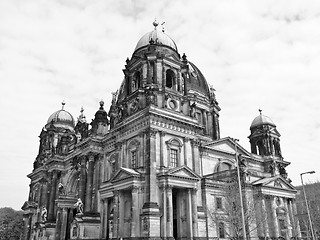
x=264 y=137
x=61 y=119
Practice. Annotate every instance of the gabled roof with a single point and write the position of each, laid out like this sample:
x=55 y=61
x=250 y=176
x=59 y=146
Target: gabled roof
x=182 y=171
x=125 y=173
x=227 y=145
x=28 y=204
x=274 y=182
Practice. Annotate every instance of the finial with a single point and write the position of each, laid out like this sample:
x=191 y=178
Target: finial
x=155 y=24
x=260 y=111
x=63 y=103
x=101 y=104
x=162 y=24
x=184 y=57
x=81 y=110
x=127 y=60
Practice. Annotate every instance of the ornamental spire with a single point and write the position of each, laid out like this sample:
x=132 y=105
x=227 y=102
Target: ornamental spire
x=63 y=103
x=260 y=111
x=155 y=24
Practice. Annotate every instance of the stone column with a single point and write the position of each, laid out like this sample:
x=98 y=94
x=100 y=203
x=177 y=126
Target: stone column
x=155 y=75
x=189 y=214
x=82 y=183
x=193 y=153
x=216 y=134
x=265 y=217
x=96 y=183
x=163 y=213
x=288 y=220
x=162 y=134
x=185 y=141
x=151 y=177
x=116 y=215
x=210 y=123
x=64 y=218
x=52 y=196
x=88 y=203
x=194 y=212
x=135 y=221
x=44 y=191
x=58 y=224
x=142 y=149
x=274 y=217
x=296 y=221
x=169 y=210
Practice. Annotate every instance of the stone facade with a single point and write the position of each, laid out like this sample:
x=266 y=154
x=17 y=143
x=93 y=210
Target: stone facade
x=155 y=166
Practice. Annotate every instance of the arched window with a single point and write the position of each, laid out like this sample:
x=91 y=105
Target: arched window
x=224 y=165
x=170 y=79
x=133 y=154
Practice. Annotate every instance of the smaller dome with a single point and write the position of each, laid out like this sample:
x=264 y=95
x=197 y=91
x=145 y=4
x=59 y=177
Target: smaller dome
x=261 y=120
x=158 y=37
x=61 y=119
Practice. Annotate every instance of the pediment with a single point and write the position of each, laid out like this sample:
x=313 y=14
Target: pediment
x=125 y=173
x=274 y=182
x=227 y=145
x=28 y=205
x=182 y=171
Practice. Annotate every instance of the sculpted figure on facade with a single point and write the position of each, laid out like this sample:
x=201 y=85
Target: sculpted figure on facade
x=79 y=206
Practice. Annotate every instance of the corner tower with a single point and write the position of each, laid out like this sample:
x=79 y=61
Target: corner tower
x=264 y=137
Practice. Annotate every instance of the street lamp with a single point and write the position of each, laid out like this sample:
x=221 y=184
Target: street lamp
x=240 y=191
x=305 y=198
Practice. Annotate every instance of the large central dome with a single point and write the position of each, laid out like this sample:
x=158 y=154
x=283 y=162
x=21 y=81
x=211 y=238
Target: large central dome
x=158 y=37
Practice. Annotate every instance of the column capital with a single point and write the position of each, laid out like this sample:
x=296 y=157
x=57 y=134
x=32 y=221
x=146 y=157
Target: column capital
x=186 y=139
x=135 y=189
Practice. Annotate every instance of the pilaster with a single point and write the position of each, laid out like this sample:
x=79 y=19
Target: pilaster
x=52 y=196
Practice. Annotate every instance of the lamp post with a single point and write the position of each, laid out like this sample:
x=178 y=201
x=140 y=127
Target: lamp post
x=305 y=198
x=240 y=191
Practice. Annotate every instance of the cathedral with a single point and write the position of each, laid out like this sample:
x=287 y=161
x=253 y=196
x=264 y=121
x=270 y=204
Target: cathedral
x=154 y=165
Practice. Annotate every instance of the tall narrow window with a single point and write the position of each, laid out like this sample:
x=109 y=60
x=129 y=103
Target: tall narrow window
x=135 y=82
x=219 y=203
x=134 y=159
x=170 y=79
x=173 y=157
x=221 y=230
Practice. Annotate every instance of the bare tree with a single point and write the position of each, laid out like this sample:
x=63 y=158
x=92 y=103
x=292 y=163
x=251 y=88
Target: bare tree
x=313 y=197
x=230 y=213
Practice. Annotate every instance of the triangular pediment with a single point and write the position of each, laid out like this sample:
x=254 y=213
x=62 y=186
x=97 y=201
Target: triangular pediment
x=227 y=145
x=28 y=204
x=183 y=171
x=124 y=173
x=274 y=182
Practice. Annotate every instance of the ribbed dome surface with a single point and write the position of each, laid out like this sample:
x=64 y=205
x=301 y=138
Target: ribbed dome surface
x=62 y=119
x=196 y=81
x=158 y=37
x=261 y=120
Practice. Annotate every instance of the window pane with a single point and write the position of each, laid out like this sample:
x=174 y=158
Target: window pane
x=221 y=230
x=219 y=203
x=173 y=157
x=133 y=159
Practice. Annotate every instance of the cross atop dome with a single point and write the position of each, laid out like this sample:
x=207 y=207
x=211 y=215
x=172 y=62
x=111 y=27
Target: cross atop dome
x=63 y=103
x=155 y=24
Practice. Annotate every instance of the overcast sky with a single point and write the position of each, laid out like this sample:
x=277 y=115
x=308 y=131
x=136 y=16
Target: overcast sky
x=256 y=54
